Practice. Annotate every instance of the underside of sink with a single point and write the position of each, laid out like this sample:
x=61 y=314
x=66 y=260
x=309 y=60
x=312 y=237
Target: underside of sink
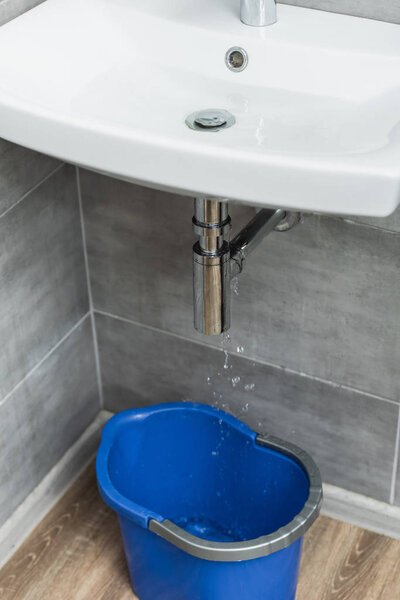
x=108 y=84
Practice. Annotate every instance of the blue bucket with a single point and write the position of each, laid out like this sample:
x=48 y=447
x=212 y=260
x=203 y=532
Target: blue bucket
x=208 y=509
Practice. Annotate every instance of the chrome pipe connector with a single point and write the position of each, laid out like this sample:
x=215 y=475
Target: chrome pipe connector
x=258 y=13
x=211 y=275
x=212 y=307
x=252 y=235
x=216 y=260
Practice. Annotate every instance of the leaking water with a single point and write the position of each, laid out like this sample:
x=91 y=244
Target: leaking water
x=226 y=363
x=235 y=285
x=224 y=382
x=249 y=387
x=235 y=380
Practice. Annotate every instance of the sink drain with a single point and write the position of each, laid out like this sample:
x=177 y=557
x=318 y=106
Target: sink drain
x=212 y=119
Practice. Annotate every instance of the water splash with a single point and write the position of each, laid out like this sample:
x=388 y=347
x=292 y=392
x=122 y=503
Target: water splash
x=225 y=339
x=235 y=380
x=226 y=363
x=235 y=285
x=249 y=387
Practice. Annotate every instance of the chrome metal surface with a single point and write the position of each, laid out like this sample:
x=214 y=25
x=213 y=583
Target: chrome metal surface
x=264 y=545
x=211 y=119
x=258 y=13
x=216 y=261
x=252 y=235
x=209 y=213
x=211 y=290
x=236 y=59
x=211 y=259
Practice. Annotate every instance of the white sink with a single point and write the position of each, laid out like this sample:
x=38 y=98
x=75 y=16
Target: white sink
x=107 y=84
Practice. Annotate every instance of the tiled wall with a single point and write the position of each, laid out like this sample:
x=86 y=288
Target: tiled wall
x=9 y=9
x=48 y=381
x=314 y=349
x=48 y=385
x=314 y=352
x=383 y=10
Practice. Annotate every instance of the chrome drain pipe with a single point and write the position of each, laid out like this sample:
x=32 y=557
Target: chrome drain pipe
x=216 y=260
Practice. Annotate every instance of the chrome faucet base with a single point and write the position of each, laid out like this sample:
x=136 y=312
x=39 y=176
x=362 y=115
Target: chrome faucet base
x=216 y=260
x=258 y=13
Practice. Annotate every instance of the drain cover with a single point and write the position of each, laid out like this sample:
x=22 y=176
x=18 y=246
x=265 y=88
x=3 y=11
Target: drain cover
x=212 y=119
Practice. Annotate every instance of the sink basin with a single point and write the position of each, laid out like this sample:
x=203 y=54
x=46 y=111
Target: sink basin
x=108 y=84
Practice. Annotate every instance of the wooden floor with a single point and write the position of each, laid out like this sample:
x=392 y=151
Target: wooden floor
x=76 y=554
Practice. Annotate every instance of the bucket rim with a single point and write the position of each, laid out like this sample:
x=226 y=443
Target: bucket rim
x=201 y=548
x=264 y=545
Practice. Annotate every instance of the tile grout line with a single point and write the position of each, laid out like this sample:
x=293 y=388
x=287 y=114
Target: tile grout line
x=255 y=360
x=349 y=221
x=32 y=189
x=44 y=358
x=395 y=464
x=90 y=296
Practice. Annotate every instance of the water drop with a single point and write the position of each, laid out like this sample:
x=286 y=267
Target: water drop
x=209 y=380
x=235 y=285
x=245 y=408
x=249 y=387
x=226 y=363
x=235 y=380
x=226 y=338
x=240 y=349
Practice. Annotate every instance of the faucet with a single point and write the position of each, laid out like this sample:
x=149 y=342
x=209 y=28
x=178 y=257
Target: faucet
x=258 y=13
x=216 y=261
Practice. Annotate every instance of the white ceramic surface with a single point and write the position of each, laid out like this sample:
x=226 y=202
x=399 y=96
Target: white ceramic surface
x=107 y=84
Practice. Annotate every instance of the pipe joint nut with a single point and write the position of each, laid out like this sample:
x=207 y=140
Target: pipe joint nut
x=211 y=230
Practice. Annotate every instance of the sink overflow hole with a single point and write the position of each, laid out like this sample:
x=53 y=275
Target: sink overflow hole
x=236 y=59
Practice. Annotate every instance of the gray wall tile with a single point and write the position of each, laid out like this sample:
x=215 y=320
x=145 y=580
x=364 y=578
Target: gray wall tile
x=140 y=264
x=383 y=10
x=20 y=170
x=45 y=415
x=391 y=223
x=43 y=290
x=9 y=9
x=397 y=474
x=351 y=436
x=321 y=299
